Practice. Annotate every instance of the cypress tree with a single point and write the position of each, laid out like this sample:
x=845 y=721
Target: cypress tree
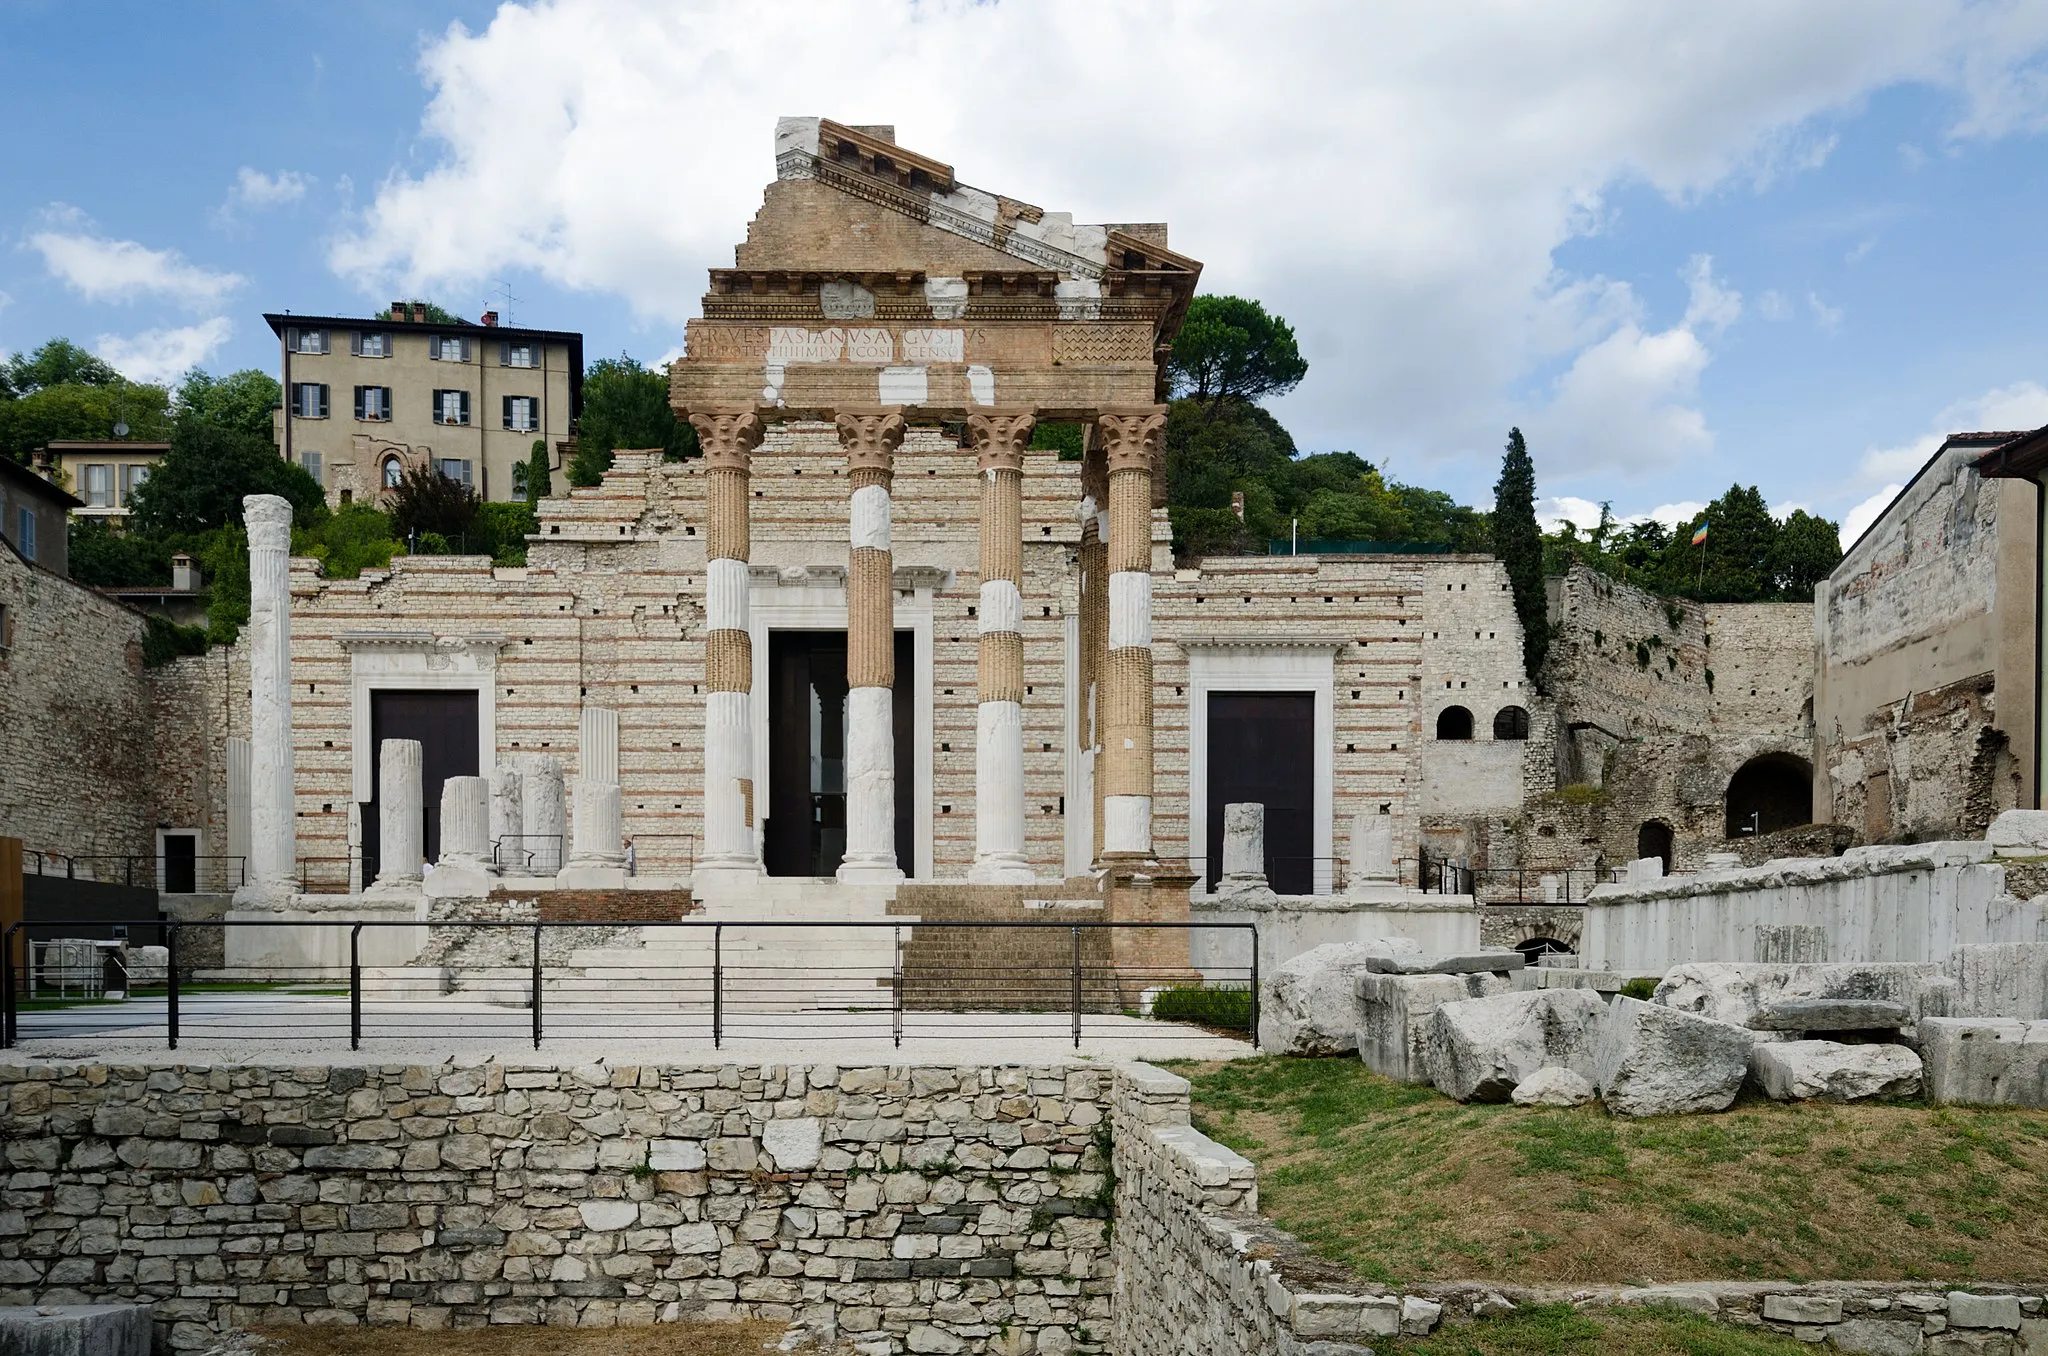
x=538 y=481
x=1518 y=543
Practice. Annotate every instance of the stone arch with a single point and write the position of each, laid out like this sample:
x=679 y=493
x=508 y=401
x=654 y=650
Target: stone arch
x=1655 y=839
x=1771 y=791
x=390 y=471
x=1532 y=947
x=1511 y=722
x=1454 y=722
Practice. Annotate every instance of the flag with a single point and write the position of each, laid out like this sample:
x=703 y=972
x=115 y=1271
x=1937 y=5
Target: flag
x=1700 y=536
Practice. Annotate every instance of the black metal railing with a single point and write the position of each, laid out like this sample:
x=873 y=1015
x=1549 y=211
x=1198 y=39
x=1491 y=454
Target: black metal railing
x=536 y=854
x=663 y=854
x=210 y=874
x=687 y=978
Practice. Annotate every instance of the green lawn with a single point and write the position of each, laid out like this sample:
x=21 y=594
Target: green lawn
x=1542 y=1330
x=1399 y=1184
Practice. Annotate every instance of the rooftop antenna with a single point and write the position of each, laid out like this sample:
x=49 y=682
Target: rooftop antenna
x=504 y=301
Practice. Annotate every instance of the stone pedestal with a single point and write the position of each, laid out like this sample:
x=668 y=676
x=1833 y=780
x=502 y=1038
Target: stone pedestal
x=870 y=438
x=543 y=818
x=999 y=438
x=1372 y=854
x=463 y=871
x=401 y=818
x=272 y=874
x=731 y=852
x=597 y=823
x=1244 y=851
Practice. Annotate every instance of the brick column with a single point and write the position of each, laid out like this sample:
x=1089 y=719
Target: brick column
x=1131 y=440
x=728 y=438
x=999 y=438
x=870 y=437
x=273 y=846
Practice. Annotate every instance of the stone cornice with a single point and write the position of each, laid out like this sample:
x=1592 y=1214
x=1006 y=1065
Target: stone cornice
x=1276 y=641
x=834 y=576
x=421 y=641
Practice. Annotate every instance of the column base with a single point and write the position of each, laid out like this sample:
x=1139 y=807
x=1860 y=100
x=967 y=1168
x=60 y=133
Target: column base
x=853 y=872
x=460 y=880
x=1001 y=869
x=591 y=875
x=265 y=894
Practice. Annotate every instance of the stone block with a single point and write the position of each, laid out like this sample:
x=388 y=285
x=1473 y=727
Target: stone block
x=1735 y=992
x=1831 y=1014
x=75 y=1330
x=1553 y=1086
x=2019 y=833
x=1688 y=1298
x=2000 y=979
x=1310 y=1005
x=1659 y=1061
x=1966 y=1310
x=1828 y=1071
x=1394 y=1014
x=1985 y=1061
x=1472 y=963
x=794 y=1144
x=1480 y=1049
x=1803 y=1308
x=1877 y=1337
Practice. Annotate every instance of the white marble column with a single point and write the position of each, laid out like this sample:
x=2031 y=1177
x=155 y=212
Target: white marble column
x=463 y=870
x=273 y=843
x=542 y=814
x=238 y=812
x=599 y=858
x=999 y=438
x=870 y=438
x=730 y=853
x=506 y=817
x=401 y=815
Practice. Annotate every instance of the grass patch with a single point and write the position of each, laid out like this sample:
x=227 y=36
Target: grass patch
x=1400 y=1184
x=1227 y=1007
x=1539 y=1330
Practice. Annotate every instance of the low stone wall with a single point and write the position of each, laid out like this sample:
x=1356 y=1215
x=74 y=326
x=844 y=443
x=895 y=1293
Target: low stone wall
x=1913 y=903
x=933 y=1209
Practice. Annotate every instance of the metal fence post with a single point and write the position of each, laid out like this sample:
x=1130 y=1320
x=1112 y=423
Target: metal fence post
x=171 y=984
x=536 y=986
x=1077 y=986
x=355 y=987
x=8 y=1009
x=717 y=985
x=896 y=990
x=1255 y=984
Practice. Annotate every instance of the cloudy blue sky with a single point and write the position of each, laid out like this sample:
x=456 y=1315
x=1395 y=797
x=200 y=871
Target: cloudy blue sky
x=1788 y=245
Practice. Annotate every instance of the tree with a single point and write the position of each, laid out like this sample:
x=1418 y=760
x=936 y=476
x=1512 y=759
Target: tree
x=625 y=405
x=243 y=401
x=201 y=481
x=78 y=410
x=428 y=502
x=1518 y=545
x=539 y=482
x=1229 y=348
x=59 y=362
x=1806 y=552
x=108 y=559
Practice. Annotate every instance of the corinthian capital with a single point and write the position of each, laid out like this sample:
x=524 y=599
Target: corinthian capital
x=728 y=437
x=999 y=437
x=871 y=436
x=268 y=518
x=1131 y=438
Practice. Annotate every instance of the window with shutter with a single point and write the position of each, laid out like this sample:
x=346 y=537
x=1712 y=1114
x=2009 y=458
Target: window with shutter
x=25 y=533
x=355 y=343
x=291 y=338
x=465 y=406
x=323 y=400
x=434 y=348
x=362 y=405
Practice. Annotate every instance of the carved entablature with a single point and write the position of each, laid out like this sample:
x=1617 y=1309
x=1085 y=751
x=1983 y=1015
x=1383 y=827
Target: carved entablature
x=872 y=276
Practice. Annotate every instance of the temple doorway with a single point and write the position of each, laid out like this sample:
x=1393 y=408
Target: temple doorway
x=1262 y=748
x=444 y=722
x=805 y=832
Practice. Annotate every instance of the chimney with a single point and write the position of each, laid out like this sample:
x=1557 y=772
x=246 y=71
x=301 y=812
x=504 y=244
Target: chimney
x=184 y=578
x=398 y=311
x=491 y=319
x=419 y=313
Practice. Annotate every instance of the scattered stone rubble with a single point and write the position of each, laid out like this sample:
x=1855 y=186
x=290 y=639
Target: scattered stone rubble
x=1311 y=1010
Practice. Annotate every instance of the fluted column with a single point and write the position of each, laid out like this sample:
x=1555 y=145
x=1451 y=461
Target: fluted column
x=598 y=859
x=401 y=814
x=870 y=437
x=1094 y=558
x=1131 y=441
x=999 y=438
x=728 y=438
x=462 y=871
x=273 y=846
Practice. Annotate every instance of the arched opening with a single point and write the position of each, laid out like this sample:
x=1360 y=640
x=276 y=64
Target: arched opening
x=1654 y=839
x=1511 y=722
x=393 y=473
x=1770 y=792
x=1541 y=946
x=1454 y=722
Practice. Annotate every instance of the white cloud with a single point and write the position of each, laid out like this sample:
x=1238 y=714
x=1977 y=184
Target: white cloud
x=1627 y=403
x=621 y=149
x=100 y=269
x=2015 y=408
x=1584 y=514
x=1773 y=306
x=1709 y=303
x=1858 y=520
x=257 y=191
x=162 y=356
x=1827 y=317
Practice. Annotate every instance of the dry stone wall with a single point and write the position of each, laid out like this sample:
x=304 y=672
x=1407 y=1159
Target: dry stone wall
x=929 y=1209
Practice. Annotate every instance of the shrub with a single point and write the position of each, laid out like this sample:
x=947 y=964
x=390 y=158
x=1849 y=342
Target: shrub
x=164 y=640
x=1227 y=1006
x=1640 y=987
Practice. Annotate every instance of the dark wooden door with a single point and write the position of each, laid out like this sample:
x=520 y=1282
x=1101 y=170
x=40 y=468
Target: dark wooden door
x=1262 y=749
x=445 y=725
x=181 y=863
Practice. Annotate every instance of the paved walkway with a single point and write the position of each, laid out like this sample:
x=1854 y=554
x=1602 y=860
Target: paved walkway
x=268 y=1028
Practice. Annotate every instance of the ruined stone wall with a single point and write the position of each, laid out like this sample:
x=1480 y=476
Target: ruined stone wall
x=75 y=721
x=936 y=1208
x=1925 y=702
x=197 y=703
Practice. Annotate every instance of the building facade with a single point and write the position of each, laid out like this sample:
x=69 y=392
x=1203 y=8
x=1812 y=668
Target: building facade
x=35 y=517
x=368 y=399
x=103 y=473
